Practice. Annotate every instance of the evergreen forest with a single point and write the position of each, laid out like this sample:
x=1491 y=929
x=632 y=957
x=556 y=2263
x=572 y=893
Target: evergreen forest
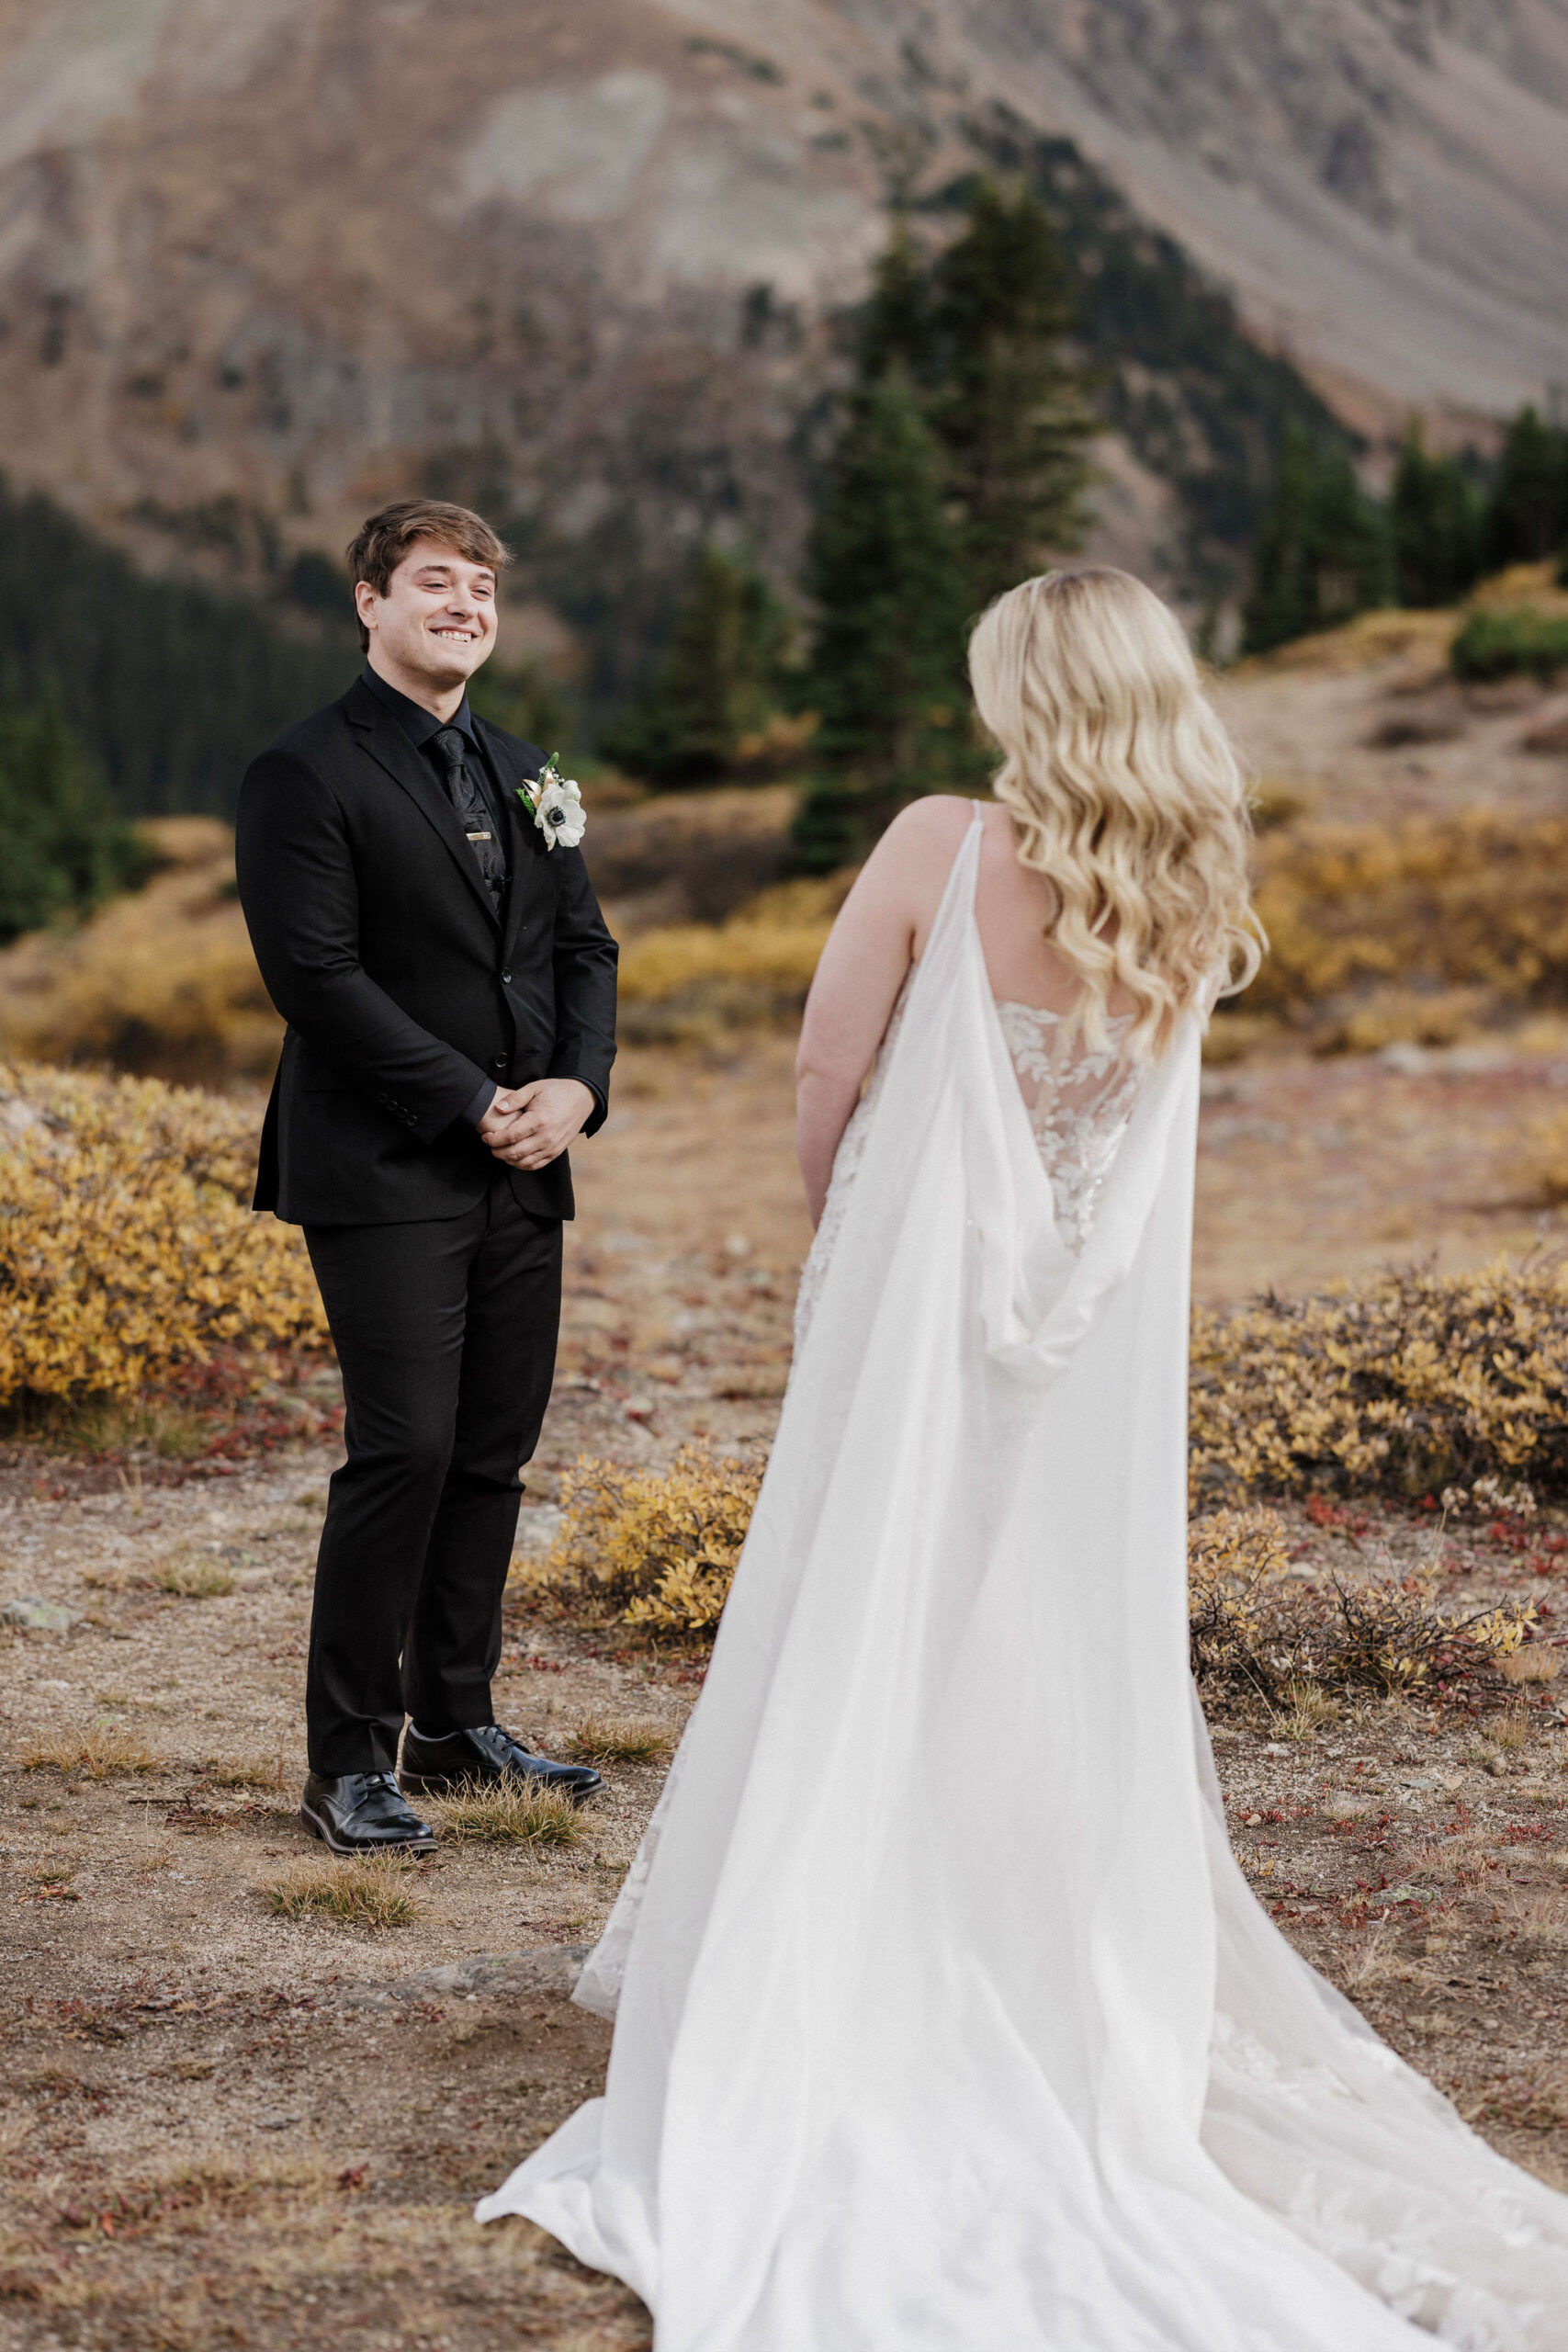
x=1325 y=550
x=169 y=685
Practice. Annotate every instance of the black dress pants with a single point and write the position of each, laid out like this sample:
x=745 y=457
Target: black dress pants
x=445 y=1334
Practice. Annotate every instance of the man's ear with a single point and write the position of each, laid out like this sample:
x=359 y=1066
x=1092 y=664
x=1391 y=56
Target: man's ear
x=364 y=602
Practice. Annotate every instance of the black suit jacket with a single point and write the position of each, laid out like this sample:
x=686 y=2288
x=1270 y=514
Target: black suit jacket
x=402 y=986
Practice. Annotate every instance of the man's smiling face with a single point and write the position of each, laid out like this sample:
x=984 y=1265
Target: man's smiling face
x=436 y=622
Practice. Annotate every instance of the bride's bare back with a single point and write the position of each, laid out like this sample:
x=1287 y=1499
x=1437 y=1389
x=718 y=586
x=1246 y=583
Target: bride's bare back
x=883 y=931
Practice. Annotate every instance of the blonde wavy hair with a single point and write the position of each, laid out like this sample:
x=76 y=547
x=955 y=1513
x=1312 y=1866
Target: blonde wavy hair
x=1125 y=793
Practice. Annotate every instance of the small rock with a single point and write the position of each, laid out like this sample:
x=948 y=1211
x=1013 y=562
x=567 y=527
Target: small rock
x=539 y=1524
x=509 y=1975
x=37 y=1616
x=17 y=1116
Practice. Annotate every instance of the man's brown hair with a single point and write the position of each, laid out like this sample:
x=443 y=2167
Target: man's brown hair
x=385 y=538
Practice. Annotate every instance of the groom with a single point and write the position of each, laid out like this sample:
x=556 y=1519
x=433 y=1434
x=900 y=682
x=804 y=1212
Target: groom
x=449 y=987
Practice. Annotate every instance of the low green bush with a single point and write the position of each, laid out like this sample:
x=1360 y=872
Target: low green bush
x=1511 y=644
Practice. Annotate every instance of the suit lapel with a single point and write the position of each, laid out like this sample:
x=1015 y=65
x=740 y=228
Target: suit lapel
x=390 y=748
x=527 y=843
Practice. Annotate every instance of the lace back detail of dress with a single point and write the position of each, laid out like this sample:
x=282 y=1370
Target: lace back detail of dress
x=1078 y=1109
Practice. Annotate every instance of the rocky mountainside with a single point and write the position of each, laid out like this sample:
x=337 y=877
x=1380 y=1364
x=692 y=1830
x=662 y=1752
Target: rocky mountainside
x=1382 y=183
x=582 y=259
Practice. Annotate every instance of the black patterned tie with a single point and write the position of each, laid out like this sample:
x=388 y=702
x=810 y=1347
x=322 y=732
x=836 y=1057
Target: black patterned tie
x=473 y=809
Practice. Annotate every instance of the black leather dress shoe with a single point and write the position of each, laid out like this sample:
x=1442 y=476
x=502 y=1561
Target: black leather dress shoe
x=488 y=1754
x=362 y=1813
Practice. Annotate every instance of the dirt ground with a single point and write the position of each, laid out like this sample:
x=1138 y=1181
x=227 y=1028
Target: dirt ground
x=1366 y=742
x=219 y=2125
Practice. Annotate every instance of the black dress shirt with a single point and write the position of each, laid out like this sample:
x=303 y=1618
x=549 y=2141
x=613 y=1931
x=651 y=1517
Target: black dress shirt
x=421 y=727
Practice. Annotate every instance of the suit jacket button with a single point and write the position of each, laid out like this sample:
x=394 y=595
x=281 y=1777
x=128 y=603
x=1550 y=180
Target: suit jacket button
x=506 y=976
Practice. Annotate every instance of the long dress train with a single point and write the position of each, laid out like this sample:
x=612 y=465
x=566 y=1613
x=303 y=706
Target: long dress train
x=946 y=2021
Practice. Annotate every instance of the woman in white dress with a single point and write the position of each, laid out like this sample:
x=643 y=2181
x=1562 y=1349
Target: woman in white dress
x=946 y=2022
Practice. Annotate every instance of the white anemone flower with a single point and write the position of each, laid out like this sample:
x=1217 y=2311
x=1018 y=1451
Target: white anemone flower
x=557 y=809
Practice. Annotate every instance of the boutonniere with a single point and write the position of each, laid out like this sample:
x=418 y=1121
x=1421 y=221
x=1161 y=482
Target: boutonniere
x=556 y=805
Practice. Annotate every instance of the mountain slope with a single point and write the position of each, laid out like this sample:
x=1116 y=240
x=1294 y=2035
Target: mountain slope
x=1384 y=183
x=583 y=260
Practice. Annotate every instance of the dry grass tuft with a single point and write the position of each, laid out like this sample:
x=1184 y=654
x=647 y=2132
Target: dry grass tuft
x=102 y=1756
x=1310 y=1709
x=626 y=1739
x=1510 y=1732
x=509 y=1812
x=244 y=1771
x=368 y=1892
x=1542 y=1915
x=195 y=1579
x=1376 y=1965
x=166 y=2203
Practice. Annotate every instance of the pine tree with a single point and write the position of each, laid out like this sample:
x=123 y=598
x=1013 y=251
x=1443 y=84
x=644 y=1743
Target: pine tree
x=1527 y=513
x=1348 y=541
x=1280 y=601
x=718 y=681
x=63 y=847
x=1012 y=412
x=886 y=573
x=523 y=697
x=896 y=326
x=1434 y=514
x=1322 y=554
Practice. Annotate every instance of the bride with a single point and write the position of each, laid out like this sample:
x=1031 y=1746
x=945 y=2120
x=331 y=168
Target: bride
x=946 y=2021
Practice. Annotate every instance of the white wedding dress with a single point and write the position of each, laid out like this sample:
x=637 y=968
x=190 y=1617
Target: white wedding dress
x=946 y=2020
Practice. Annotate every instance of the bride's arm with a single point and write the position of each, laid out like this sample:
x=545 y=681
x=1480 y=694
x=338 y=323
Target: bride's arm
x=863 y=968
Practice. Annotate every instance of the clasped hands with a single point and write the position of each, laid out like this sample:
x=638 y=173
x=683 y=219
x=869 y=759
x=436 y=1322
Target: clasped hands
x=527 y=1127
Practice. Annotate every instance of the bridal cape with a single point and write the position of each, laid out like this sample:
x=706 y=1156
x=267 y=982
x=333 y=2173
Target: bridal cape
x=947 y=2022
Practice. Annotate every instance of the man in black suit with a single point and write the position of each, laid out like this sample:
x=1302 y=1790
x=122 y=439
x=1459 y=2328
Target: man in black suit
x=449 y=987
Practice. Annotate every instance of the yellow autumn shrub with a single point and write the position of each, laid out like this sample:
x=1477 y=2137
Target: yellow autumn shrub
x=1408 y=1383
x=1544 y=1160
x=1416 y=930
x=648 y=1548
x=1232 y=1558
x=694 y=980
x=162 y=983
x=126 y=1243
x=778 y=958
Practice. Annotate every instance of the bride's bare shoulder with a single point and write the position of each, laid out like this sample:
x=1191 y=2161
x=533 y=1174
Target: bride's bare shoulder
x=935 y=817
x=907 y=872
x=926 y=833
